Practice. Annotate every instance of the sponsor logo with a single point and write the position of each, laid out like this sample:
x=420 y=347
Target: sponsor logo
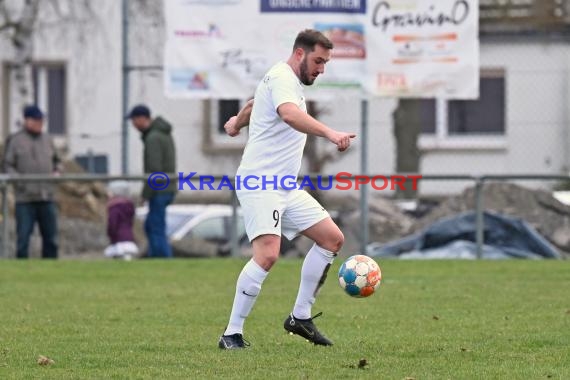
x=348 y=39
x=314 y=6
x=211 y=2
x=212 y=31
x=187 y=79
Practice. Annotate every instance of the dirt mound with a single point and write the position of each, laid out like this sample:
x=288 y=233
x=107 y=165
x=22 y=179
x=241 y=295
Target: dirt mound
x=81 y=200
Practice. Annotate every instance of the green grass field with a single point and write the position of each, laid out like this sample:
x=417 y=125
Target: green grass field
x=162 y=319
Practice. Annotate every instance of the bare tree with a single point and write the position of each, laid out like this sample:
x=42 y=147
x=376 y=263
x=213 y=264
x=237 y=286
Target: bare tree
x=22 y=23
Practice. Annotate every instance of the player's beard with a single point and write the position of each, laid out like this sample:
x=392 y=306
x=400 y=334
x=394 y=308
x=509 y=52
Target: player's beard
x=304 y=73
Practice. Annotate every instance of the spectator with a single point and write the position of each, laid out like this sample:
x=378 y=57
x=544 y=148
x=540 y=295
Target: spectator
x=120 y=218
x=159 y=156
x=30 y=151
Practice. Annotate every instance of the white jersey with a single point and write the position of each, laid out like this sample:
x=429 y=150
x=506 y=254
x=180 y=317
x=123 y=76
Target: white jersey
x=274 y=148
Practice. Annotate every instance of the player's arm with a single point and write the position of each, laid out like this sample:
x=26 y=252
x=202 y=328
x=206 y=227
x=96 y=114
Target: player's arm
x=235 y=123
x=301 y=121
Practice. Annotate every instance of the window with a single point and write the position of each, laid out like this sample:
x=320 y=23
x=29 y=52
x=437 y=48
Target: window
x=48 y=89
x=211 y=229
x=485 y=115
x=93 y=163
x=175 y=221
x=215 y=139
x=226 y=109
x=427 y=111
x=478 y=122
x=49 y=83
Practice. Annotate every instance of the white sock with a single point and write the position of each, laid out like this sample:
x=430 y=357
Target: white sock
x=247 y=289
x=316 y=263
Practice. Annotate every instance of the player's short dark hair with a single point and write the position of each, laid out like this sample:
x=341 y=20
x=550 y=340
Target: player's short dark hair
x=308 y=38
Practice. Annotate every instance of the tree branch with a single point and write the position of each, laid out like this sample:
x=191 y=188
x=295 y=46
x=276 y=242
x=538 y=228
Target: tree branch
x=5 y=22
x=7 y=25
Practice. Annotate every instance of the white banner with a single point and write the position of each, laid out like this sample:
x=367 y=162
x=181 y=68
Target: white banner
x=222 y=48
x=423 y=49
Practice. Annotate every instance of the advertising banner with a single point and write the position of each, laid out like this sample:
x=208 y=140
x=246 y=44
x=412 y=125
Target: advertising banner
x=222 y=48
x=423 y=49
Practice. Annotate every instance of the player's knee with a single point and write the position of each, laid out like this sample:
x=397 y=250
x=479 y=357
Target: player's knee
x=335 y=242
x=267 y=259
x=272 y=258
x=338 y=241
x=271 y=254
x=266 y=251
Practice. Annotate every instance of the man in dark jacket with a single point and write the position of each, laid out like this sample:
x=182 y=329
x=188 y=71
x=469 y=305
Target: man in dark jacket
x=159 y=156
x=30 y=151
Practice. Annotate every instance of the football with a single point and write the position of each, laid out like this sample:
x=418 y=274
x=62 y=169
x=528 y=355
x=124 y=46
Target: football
x=359 y=276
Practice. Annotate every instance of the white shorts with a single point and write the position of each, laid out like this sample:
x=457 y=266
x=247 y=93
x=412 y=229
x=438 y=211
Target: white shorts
x=279 y=212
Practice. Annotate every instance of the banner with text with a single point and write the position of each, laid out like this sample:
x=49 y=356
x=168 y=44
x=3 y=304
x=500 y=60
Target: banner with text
x=422 y=48
x=222 y=48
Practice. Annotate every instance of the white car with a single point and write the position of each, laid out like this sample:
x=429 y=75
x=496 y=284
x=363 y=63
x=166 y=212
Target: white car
x=201 y=230
x=205 y=231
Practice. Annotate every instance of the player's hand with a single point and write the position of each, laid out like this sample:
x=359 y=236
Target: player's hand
x=230 y=127
x=341 y=140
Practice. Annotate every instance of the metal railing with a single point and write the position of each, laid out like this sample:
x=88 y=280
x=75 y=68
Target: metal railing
x=478 y=181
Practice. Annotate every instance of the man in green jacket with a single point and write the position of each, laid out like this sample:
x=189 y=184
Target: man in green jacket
x=159 y=157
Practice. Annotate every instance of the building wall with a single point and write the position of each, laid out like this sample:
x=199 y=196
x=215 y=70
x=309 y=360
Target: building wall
x=88 y=44
x=537 y=117
x=537 y=123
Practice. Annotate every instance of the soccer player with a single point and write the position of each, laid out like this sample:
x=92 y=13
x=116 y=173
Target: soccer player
x=278 y=127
